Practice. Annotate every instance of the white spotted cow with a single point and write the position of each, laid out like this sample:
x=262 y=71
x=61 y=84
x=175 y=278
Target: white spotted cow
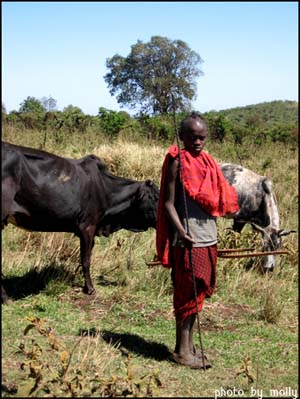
x=258 y=207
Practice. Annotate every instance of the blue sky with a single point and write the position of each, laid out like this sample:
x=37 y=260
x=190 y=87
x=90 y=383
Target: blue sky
x=59 y=49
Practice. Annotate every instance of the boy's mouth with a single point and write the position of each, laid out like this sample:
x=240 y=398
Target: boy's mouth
x=197 y=148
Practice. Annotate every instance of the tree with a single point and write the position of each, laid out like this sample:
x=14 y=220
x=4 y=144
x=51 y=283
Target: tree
x=73 y=109
x=32 y=104
x=218 y=125
x=32 y=113
x=74 y=118
x=111 y=121
x=49 y=103
x=152 y=72
x=3 y=113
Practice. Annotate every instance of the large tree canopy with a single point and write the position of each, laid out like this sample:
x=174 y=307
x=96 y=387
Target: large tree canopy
x=32 y=104
x=153 y=72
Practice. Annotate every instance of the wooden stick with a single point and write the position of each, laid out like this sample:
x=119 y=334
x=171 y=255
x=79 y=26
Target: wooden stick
x=221 y=254
x=252 y=254
x=235 y=250
x=153 y=263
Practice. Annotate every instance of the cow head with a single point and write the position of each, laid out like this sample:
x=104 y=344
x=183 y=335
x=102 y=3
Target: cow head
x=271 y=238
x=137 y=212
x=145 y=206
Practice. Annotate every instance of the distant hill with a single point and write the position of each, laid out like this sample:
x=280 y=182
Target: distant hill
x=274 y=120
x=266 y=113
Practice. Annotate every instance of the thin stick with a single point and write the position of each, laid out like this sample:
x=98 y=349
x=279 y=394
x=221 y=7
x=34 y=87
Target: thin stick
x=252 y=254
x=235 y=250
x=225 y=255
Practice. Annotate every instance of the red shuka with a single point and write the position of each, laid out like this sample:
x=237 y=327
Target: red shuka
x=204 y=265
x=205 y=183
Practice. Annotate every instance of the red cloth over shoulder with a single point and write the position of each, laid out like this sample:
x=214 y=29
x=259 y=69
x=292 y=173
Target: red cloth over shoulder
x=205 y=183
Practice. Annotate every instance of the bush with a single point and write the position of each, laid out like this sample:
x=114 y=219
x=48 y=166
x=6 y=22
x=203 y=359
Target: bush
x=158 y=127
x=111 y=121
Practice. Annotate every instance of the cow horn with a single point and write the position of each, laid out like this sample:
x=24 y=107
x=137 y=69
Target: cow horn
x=256 y=227
x=282 y=233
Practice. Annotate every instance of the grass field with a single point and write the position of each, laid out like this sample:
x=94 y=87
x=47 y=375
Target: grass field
x=58 y=342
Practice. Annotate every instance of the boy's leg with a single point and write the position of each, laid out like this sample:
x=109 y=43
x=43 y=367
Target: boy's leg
x=183 y=287
x=183 y=353
x=191 y=333
x=184 y=348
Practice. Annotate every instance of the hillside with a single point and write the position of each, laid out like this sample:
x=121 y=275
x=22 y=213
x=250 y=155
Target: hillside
x=267 y=113
x=259 y=123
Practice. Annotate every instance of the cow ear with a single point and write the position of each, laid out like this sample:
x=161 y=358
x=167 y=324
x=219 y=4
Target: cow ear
x=149 y=183
x=140 y=192
x=142 y=189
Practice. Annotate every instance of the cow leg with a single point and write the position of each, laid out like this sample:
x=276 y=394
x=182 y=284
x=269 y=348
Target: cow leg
x=86 y=246
x=9 y=189
x=4 y=297
x=238 y=226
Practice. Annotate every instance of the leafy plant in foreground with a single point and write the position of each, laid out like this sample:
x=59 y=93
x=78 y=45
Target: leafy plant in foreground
x=45 y=378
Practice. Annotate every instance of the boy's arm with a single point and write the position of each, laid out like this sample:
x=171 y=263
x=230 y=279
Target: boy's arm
x=173 y=170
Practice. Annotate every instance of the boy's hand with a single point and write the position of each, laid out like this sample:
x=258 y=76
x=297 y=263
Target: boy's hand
x=188 y=239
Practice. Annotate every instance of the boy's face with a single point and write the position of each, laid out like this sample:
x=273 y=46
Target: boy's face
x=194 y=137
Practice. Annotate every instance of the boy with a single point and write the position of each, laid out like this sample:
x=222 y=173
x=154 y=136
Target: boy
x=207 y=195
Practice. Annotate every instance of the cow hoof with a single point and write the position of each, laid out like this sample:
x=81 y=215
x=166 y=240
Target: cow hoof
x=6 y=302
x=89 y=291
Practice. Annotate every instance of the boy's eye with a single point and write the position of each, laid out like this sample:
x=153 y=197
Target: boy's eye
x=194 y=138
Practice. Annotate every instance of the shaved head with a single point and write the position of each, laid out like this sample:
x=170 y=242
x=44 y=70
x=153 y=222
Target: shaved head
x=193 y=121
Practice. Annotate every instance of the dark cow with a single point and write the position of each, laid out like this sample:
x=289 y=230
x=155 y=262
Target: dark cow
x=258 y=206
x=45 y=192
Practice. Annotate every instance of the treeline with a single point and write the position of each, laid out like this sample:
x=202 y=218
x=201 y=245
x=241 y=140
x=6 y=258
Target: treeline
x=259 y=123
x=275 y=120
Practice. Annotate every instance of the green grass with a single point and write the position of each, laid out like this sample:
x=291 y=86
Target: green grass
x=139 y=319
x=119 y=341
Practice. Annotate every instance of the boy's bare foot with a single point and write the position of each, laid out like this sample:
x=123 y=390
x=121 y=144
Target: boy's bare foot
x=198 y=353
x=191 y=361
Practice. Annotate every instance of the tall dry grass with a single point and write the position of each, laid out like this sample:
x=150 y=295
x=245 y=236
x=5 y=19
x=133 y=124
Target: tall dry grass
x=123 y=280
x=141 y=161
